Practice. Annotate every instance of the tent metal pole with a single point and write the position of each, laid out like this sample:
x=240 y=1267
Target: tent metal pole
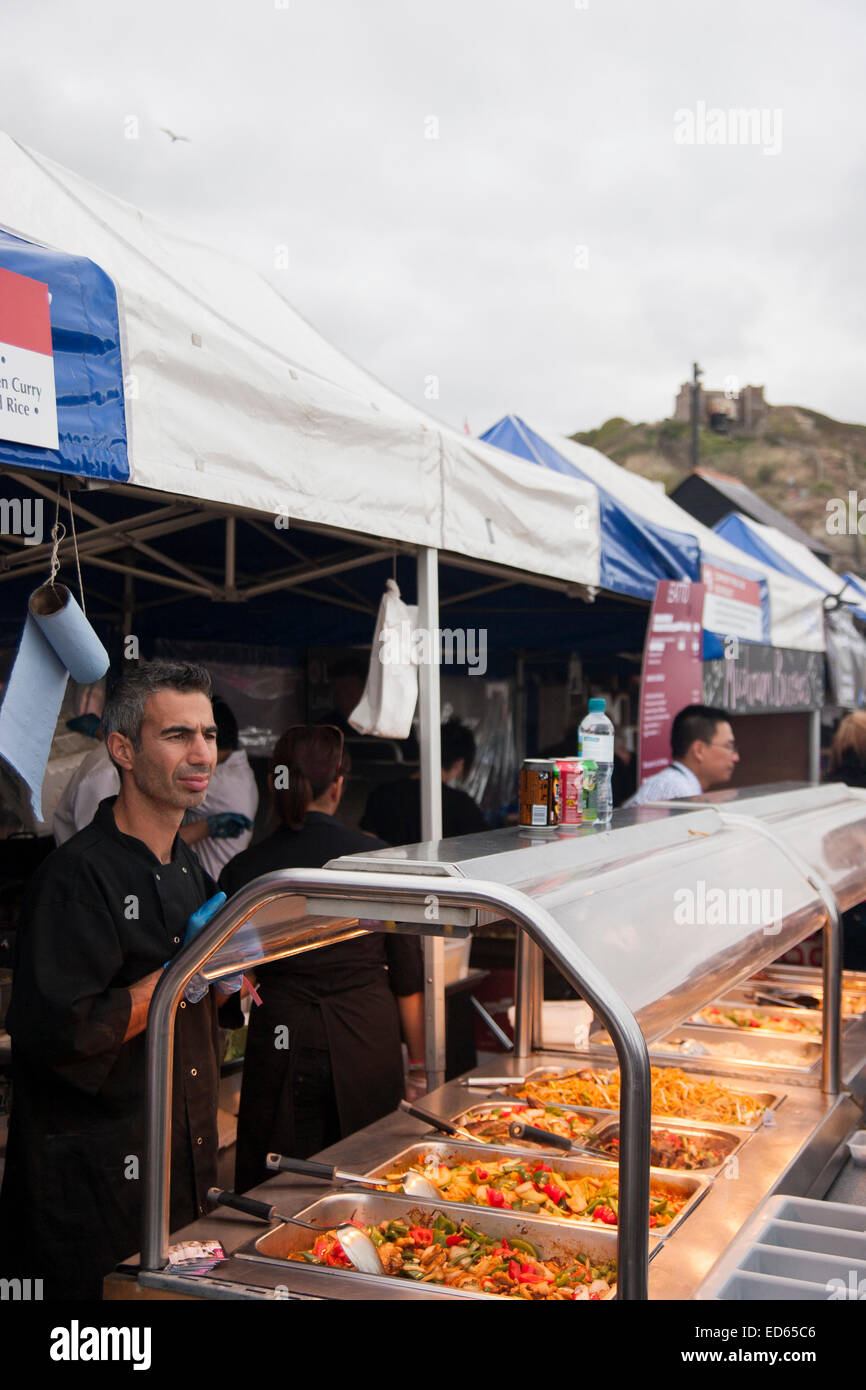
x=430 y=715
x=138 y=545
x=815 y=745
x=289 y=580
x=101 y=533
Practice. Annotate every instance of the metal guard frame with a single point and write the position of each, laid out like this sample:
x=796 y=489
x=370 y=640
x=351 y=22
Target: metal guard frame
x=535 y=922
x=536 y=928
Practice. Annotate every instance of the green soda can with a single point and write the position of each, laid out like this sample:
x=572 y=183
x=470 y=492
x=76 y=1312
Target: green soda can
x=589 y=791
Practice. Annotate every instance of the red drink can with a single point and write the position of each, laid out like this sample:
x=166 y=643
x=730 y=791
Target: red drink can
x=570 y=788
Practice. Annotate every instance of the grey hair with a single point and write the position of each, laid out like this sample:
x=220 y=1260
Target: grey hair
x=124 y=708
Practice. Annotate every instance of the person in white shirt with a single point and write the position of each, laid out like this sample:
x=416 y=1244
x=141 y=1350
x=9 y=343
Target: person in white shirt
x=704 y=756
x=95 y=778
x=222 y=825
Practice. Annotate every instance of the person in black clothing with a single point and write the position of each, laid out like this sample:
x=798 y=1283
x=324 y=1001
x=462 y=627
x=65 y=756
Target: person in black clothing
x=848 y=764
x=393 y=810
x=104 y=914
x=323 y=1054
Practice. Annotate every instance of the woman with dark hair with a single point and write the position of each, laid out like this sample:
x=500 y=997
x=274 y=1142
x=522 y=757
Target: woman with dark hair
x=847 y=763
x=344 y=1006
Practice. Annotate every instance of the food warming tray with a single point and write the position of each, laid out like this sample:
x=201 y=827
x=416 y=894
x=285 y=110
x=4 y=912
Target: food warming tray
x=764 y=1011
x=603 y=1127
x=552 y=1239
x=586 y=1062
x=694 y=1186
x=733 y=1051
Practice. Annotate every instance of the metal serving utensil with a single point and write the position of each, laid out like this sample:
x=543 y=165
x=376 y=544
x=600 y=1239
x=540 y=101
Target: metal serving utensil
x=518 y=1129
x=413 y=1184
x=356 y=1244
x=444 y=1126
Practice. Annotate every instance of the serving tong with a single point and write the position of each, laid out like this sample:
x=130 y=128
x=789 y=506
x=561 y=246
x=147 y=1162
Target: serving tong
x=516 y=1130
x=355 y=1243
x=413 y=1184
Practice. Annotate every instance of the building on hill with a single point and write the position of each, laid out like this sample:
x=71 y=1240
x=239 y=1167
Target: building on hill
x=711 y=496
x=720 y=409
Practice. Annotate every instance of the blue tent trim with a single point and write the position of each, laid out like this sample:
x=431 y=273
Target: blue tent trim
x=740 y=534
x=634 y=554
x=88 y=368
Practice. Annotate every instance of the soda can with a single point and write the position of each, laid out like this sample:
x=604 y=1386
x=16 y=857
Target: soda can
x=589 y=789
x=539 y=778
x=570 y=791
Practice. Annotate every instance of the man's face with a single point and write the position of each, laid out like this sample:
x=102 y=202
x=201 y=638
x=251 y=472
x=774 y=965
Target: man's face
x=719 y=757
x=178 y=749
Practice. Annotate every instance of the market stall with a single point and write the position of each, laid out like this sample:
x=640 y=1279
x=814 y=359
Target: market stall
x=605 y=908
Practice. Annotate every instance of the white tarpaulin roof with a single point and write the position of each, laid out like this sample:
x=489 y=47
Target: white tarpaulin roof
x=232 y=397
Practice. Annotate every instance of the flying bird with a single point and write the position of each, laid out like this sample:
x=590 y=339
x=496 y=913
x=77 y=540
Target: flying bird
x=172 y=136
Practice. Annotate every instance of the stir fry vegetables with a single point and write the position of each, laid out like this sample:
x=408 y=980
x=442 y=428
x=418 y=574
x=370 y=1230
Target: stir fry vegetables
x=432 y=1249
x=492 y=1124
x=782 y=1021
x=673 y=1093
x=531 y=1185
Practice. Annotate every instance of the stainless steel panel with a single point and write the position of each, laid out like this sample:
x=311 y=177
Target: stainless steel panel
x=826 y=825
x=691 y=1185
x=657 y=946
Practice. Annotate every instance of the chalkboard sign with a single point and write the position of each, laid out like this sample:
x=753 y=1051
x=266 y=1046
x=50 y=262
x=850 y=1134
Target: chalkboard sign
x=755 y=679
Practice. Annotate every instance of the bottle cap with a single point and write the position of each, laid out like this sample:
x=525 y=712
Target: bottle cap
x=597 y=703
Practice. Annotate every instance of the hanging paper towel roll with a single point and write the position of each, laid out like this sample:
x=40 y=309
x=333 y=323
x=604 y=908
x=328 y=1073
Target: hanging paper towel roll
x=69 y=632
x=57 y=642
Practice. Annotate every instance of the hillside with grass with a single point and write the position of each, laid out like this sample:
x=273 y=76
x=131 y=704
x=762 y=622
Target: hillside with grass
x=796 y=460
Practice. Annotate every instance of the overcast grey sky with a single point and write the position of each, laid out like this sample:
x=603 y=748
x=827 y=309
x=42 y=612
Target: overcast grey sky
x=459 y=257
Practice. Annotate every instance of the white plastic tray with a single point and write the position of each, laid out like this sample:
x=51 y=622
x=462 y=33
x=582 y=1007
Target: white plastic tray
x=793 y=1248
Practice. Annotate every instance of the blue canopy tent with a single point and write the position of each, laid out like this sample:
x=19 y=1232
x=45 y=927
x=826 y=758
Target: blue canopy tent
x=634 y=552
x=757 y=540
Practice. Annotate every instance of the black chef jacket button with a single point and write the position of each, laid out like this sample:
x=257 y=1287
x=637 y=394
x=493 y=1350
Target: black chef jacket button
x=176 y=940
x=184 y=868
x=183 y=1003
x=199 y=1140
x=193 y=1072
x=157 y=878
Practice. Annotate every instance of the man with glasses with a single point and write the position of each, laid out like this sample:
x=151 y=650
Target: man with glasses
x=704 y=755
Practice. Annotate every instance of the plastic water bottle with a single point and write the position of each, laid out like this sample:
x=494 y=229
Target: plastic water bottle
x=595 y=740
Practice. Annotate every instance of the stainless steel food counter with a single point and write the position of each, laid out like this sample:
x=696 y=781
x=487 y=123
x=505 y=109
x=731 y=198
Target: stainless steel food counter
x=799 y=1154
x=604 y=907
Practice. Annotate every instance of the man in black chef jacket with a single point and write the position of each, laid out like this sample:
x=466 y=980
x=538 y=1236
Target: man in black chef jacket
x=104 y=914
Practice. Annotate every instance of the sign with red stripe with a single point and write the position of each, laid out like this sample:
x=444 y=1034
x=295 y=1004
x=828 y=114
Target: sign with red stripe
x=28 y=404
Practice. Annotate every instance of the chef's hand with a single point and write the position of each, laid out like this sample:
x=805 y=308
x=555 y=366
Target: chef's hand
x=416 y=1083
x=227 y=825
x=198 y=987
x=230 y=985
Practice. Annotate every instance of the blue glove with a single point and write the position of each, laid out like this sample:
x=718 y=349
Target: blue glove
x=230 y=985
x=202 y=916
x=198 y=987
x=227 y=825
